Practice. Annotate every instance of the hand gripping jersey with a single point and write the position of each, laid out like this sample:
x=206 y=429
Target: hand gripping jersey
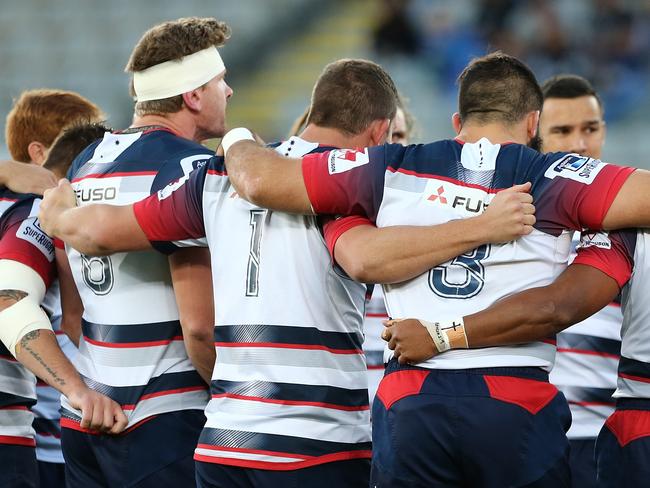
x=132 y=347
x=289 y=387
x=585 y=367
x=22 y=240
x=616 y=254
x=446 y=180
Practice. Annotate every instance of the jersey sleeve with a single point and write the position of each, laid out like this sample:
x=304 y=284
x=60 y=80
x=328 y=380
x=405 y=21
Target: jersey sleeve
x=612 y=253
x=575 y=192
x=335 y=228
x=174 y=213
x=346 y=181
x=22 y=240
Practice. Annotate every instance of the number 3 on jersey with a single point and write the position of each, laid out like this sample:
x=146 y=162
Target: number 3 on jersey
x=253 y=268
x=463 y=277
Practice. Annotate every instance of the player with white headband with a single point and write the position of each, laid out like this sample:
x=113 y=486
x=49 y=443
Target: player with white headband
x=145 y=343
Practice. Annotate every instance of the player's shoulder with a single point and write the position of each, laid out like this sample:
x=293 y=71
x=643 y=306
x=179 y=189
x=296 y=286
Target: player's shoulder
x=425 y=159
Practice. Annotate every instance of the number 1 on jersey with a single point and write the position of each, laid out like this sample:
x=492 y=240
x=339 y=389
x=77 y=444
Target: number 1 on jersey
x=253 y=269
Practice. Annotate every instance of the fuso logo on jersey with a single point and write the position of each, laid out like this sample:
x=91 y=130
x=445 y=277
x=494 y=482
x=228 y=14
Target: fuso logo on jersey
x=595 y=239
x=439 y=196
x=574 y=167
x=467 y=200
x=342 y=160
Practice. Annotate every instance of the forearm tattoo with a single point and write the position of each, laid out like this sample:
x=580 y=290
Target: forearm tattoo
x=12 y=295
x=24 y=343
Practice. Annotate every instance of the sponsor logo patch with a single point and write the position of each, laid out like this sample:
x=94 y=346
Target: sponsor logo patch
x=31 y=231
x=342 y=160
x=595 y=239
x=576 y=168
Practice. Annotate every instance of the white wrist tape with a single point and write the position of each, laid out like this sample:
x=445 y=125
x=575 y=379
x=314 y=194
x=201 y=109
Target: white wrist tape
x=447 y=334
x=19 y=319
x=235 y=135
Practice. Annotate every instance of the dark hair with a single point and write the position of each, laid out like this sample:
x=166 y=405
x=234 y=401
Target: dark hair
x=70 y=143
x=497 y=88
x=350 y=94
x=569 y=86
x=173 y=40
x=40 y=115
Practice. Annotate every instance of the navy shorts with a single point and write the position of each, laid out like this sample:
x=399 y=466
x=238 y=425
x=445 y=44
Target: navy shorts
x=157 y=453
x=52 y=475
x=353 y=473
x=18 y=467
x=583 y=463
x=623 y=446
x=490 y=427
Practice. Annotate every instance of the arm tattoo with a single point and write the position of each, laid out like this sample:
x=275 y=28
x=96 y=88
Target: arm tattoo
x=12 y=295
x=24 y=343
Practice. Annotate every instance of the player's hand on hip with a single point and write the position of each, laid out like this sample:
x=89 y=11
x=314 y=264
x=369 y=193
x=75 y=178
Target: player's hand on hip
x=56 y=201
x=510 y=215
x=29 y=178
x=409 y=340
x=98 y=412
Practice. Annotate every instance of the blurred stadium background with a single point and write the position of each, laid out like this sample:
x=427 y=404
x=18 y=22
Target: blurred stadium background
x=278 y=48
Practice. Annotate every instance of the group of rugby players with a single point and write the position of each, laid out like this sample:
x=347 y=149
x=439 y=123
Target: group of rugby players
x=217 y=302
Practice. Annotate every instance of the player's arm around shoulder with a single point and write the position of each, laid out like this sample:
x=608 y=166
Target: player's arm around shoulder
x=26 y=178
x=97 y=229
x=398 y=253
x=264 y=177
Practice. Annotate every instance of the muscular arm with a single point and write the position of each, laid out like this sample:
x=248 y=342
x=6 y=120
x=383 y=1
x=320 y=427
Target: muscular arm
x=631 y=206
x=25 y=177
x=94 y=230
x=531 y=315
x=394 y=254
x=192 y=280
x=267 y=179
x=71 y=306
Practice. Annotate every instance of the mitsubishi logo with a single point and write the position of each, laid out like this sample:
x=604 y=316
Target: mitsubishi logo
x=439 y=195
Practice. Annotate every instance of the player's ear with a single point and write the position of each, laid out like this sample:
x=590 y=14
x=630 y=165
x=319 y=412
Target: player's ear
x=456 y=123
x=192 y=100
x=379 y=131
x=532 y=124
x=37 y=152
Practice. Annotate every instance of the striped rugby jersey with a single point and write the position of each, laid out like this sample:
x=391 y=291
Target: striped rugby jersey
x=445 y=180
x=625 y=255
x=21 y=240
x=585 y=367
x=289 y=388
x=132 y=348
x=373 y=344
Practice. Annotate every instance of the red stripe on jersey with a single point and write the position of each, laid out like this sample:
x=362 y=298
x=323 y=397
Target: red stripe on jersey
x=15 y=407
x=293 y=402
x=552 y=342
x=217 y=173
x=634 y=378
x=165 y=393
x=119 y=345
x=278 y=466
x=377 y=315
x=17 y=441
x=588 y=352
x=2 y=199
x=75 y=425
x=444 y=178
x=9 y=358
x=279 y=345
x=115 y=175
x=593 y=404
x=376 y=366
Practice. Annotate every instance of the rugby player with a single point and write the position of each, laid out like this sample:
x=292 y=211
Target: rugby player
x=145 y=343
x=35 y=120
x=289 y=397
x=27 y=271
x=452 y=419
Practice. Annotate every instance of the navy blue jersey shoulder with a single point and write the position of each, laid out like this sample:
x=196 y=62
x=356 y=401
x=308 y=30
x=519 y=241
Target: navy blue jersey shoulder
x=17 y=207
x=159 y=151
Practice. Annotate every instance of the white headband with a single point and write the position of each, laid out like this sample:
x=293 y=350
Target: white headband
x=178 y=76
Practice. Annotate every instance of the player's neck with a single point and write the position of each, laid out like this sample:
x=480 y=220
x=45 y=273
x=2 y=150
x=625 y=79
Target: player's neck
x=174 y=122
x=495 y=133
x=327 y=136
